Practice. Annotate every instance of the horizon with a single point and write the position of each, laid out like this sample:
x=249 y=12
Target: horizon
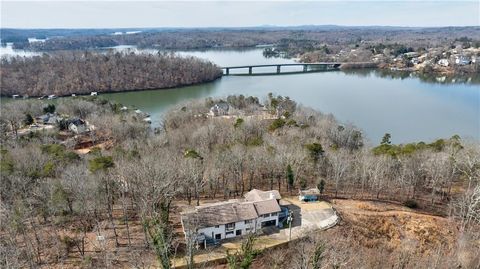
x=249 y=27
x=234 y=14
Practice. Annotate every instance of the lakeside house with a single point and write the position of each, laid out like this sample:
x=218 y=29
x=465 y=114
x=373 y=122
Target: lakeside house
x=78 y=126
x=222 y=220
x=443 y=62
x=309 y=195
x=462 y=60
x=219 y=109
x=49 y=118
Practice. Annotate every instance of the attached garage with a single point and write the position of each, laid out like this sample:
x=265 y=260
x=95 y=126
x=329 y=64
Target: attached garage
x=269 y=223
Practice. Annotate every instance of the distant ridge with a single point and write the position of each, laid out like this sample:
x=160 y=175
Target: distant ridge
x=21 y=34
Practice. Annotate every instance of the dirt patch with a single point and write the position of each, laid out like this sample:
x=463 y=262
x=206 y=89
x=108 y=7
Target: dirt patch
x=376 y=224
x=308 y=206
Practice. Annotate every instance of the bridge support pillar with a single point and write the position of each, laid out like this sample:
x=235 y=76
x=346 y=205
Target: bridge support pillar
x=250 y=70
x=227 y=71
x=278 y=69
x=305 y=68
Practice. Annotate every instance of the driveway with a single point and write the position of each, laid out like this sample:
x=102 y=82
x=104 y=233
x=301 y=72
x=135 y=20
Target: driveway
x=307 y=217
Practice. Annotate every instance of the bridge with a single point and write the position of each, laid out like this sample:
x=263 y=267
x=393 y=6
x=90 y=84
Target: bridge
x=305 y=67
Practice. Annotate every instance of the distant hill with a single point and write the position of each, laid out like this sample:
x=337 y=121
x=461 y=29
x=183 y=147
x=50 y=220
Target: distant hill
x=213 y=37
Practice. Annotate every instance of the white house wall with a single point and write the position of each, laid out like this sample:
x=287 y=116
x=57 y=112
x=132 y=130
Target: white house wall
x=263 y=219
x=254 y=226
x=245 y=228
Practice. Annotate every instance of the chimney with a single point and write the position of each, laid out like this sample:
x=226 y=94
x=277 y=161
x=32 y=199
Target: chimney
x=272 y=196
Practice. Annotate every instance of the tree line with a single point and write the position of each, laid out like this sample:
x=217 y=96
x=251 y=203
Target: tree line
x=295 y=39
x=83 y=72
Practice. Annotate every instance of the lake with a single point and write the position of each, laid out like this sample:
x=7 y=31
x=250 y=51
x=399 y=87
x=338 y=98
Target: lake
x=410 y=108
x=407 y=107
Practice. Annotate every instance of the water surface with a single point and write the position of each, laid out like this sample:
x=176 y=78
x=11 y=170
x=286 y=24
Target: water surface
x=408 y=107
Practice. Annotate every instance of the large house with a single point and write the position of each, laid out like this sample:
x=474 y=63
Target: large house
x=219 y=109
x=233 y=218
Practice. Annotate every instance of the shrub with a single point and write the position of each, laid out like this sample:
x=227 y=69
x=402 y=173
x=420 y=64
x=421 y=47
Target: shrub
x=292 y=122
x=238 y=123
x=101 y=163
x=277 y=123
x=411 y=203
x=50 y=108
x=28 y=119
x=315 y=151
x=254 y=141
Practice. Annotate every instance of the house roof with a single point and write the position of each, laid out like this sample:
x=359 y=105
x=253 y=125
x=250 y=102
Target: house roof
x=77 y=122
x=227 y=212
x=267 y=206
x=312 y=191
x=219 y=213
x=259 y=195
x=222 y=106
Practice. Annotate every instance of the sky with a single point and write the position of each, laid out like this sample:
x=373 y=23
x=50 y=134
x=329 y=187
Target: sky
x=133 y=14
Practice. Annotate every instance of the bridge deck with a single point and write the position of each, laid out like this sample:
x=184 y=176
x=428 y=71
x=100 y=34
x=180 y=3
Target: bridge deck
x=273 y=65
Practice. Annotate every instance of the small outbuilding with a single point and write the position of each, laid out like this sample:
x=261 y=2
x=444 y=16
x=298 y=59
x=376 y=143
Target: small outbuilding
x=309 y=195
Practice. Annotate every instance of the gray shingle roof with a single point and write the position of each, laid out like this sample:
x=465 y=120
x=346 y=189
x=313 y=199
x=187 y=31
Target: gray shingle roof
x=227 y=212
x=219 y=213
x=267 y=206
x=259 y=195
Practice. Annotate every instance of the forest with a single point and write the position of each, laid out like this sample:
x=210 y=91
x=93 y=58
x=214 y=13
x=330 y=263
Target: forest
x=295 y=38
x=67 y=73
x=119 y=207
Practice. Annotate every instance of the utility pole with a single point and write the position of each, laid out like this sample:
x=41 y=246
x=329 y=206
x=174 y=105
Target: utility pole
x=289 y=220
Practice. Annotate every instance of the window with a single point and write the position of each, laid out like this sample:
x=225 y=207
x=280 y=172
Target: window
x=248 y=221
x=217 y=226
x=229 y=233
x=239 y=232
x=273 y=214
x=218 y=236
x=230 y=226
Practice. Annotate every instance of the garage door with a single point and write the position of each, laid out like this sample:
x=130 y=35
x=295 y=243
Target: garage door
x=268 y=223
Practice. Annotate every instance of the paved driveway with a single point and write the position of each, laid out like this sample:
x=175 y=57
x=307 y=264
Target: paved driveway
x=307 y=217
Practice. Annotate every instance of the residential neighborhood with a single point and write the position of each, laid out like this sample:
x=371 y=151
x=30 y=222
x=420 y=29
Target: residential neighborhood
x=437 y=60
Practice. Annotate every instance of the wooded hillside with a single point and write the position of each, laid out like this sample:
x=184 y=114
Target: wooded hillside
x=120 y=206
x=81 y=73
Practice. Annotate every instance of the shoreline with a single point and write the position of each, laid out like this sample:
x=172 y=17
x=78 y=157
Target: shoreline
x=110 y=92
x=439 y=77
